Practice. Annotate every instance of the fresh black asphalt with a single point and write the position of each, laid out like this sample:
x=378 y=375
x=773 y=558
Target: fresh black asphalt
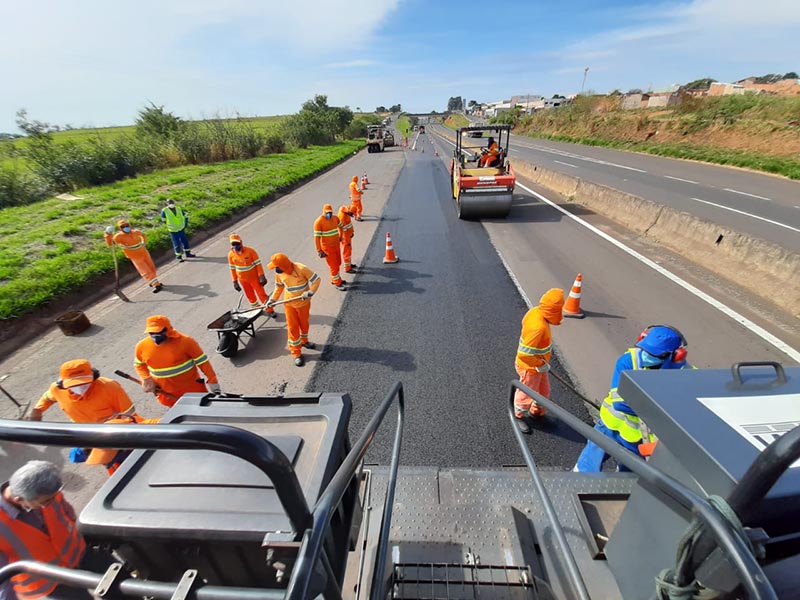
x=445 y=321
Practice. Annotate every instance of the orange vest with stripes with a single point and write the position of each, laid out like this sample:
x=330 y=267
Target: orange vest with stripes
x=62 y=546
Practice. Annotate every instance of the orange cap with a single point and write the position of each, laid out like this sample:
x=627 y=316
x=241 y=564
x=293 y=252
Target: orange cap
x=327 y=208
x=157 y=323
x=355 y=178
x=76 y=372
x=282 y=261
x=122 y=223
x=235 y=238
x=344 y=209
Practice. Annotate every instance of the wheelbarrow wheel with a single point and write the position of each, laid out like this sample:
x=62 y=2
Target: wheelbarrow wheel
x=228 y=344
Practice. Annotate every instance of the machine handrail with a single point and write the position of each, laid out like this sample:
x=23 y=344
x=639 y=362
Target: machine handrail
x=311 y=547
x=243 y=444
x=750 y=574
x=130 y=586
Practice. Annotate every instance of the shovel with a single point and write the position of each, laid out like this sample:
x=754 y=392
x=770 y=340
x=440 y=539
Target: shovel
x=117 y=291
x=124 y=375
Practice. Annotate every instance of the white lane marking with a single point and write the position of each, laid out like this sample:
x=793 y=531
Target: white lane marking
x=746 y=194
x=586 y=158
x=726 y=310
x=563 y=163
x=511 y=274
x=747 y=214
x=681 y=179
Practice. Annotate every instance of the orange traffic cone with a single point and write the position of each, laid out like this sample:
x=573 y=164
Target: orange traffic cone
x=572 y=307
x=365 y=178
x=390 y=256
x=363 y=183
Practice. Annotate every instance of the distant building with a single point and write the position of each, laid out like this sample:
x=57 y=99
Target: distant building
x=718 y=88
x=634 y=101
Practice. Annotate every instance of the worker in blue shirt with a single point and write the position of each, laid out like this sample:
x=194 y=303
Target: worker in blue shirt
x=177 y=220
x=658 y=347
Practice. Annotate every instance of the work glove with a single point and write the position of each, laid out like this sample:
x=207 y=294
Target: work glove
x=262 y=280
x=543 y=368
x=214 y=388
x=109 y=230
x=149 y=386
x=270 y=303
x=322 y=254
x=307 y=294
x=236 y=286
x=78 y=455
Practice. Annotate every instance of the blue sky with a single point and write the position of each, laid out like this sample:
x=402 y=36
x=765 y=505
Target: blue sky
x=92 y=62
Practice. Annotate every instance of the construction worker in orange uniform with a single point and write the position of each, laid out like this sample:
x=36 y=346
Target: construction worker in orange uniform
x=491 y=152
x=248 y=273
x=300 y=283
x=533 y=354
x=346 y=238
x=37 y=523
x=132 y=242
x=356 y=208
x=167 y=362
x=326 y=239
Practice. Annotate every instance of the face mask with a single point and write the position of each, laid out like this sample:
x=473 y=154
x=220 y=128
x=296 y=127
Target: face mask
x=237 y=248
x=126 y=229
x=158 y=338
x=170 y=204
x=79 y=390
x=278 y=270
x=328 y=215
x=651 y=362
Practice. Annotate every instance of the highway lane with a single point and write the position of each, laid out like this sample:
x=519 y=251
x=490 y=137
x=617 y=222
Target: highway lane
x=761 y=205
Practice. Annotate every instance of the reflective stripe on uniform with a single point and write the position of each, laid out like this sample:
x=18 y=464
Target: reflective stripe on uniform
x=297 y=288
x=329 y=233
x=134 y=247
x=531 y=351
x=296 y=342
x=165 y=372
x=249 y=267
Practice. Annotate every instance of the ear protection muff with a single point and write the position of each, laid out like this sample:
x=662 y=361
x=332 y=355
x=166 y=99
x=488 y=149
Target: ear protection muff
x=95 y=375
x=679 y=355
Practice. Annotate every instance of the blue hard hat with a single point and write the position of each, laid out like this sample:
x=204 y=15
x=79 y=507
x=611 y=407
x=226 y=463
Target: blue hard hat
x=660 y=340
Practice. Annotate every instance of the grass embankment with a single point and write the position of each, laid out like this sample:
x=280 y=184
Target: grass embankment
x=455 y=121
x=755 y=132
x=404 y=126
x=56 y=246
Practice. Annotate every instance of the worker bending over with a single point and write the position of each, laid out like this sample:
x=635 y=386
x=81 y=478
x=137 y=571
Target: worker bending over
x=356 y=208
x=346 y=238
x=533 y=355
x=167 y=362
x=326 y=240
x=658 y=347
x=248 y=273
x=133 y=243
x=300 y=283
x=491 y=152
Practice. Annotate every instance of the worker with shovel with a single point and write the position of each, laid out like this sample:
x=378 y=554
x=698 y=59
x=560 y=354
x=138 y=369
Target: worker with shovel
x=247 y=273
x=167 y=362
x=300 y=283
x=133 y=243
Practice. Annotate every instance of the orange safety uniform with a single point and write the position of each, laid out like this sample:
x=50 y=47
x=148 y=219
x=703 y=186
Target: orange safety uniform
x=490 y=155
x=104 y=399
x=133 y=246
x=295 y=279
x=535 y=350
x=60 y=545
x=173 y=363
x=356 y=208
x=346 y=234
x=246 y=268
x=326 y=239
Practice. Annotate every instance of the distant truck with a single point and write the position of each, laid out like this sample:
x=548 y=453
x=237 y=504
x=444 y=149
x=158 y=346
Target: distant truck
x=375 y=139
x=422 y=128
x=388 y=139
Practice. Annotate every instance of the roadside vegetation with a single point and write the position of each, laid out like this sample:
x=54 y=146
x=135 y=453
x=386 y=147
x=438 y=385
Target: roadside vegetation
x=759 y=132
x=404 y=125
x=456 y=120
x=56 y=246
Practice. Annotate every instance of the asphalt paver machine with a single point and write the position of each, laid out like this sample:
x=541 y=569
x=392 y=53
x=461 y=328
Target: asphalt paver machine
x=265 y=497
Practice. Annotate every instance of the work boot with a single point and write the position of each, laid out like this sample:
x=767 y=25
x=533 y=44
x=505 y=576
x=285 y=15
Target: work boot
x=299 y=361
x=190 y=255
x=179 y=258
x=342 y=287
x=157 y=288
x=309 y=345
x=523 y=425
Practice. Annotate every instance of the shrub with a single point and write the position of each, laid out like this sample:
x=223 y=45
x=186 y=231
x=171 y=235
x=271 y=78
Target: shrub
x=19 y=186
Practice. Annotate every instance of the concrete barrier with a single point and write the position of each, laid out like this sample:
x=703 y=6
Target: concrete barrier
x=763 y=268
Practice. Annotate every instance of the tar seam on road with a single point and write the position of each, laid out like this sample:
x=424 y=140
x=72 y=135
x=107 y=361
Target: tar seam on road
x=723 y=308
x=747 y=214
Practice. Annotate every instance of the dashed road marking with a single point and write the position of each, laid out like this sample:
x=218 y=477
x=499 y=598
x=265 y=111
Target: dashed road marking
x=681 y=179
x=746 y=194
x=567 y=164
x=747 y=214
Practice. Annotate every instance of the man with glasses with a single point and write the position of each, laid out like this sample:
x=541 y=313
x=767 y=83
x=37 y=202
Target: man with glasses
x=37 y=523
x=658 y=347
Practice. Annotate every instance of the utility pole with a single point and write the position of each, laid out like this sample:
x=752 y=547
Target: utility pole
x=585 y=72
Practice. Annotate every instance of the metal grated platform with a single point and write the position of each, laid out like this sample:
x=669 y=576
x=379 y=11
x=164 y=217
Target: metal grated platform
x=460 y=581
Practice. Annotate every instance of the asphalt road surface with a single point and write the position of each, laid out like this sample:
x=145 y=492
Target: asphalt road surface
x=762 y=205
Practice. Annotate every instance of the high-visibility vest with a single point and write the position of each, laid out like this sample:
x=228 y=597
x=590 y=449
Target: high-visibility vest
x=176 y=220
x=628 y=426
x=62 y=546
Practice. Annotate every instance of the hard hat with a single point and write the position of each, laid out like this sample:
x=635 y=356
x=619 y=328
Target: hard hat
x=235 y=238
x=76 y=372
x=157 y=323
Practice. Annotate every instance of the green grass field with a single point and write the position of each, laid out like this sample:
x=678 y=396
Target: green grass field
x=404 y=126
x=56 y=246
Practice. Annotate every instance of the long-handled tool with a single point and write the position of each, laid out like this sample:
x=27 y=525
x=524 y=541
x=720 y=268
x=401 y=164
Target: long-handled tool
x=21 y=408
x=572 y=389
x=124 y=375
x=117 y=291
x=271 y=304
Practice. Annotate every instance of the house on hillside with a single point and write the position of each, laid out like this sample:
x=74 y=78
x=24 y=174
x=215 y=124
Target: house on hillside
x=634 y=101
x=663 y=99
x=783 y=87
x=718 y=88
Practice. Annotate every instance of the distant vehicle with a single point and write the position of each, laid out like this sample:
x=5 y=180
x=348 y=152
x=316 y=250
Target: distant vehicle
x=422 y=128
x=388 y=139
x=416 y=128
x=375 y=141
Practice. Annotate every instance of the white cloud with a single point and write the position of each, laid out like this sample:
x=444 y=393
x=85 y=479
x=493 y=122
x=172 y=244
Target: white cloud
x=351 y=64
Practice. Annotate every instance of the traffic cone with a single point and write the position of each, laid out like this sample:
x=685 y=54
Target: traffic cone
x=363 y=183
x=390 y=256
x=366 y=179
x=572 y=307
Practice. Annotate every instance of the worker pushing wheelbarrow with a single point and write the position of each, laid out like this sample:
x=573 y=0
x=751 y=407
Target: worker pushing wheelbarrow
x=231 y=325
